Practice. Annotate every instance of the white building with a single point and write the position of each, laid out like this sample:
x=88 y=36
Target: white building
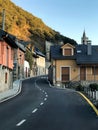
x=26 y=69
x=40 y=62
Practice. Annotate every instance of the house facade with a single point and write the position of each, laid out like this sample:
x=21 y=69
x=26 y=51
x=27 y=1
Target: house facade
x=40 y=62
x=7 y=46
x=26 y=69
x=47 y=51
x=74 y=63
x=19 y=58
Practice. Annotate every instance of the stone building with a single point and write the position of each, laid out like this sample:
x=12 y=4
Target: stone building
x=7 y=46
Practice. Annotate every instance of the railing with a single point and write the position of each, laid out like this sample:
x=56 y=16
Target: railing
x=77 y=81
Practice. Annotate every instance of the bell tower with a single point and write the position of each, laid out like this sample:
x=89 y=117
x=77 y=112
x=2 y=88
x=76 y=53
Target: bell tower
x=84 y=39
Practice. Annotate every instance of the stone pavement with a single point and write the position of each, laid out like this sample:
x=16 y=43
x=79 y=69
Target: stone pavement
x=4 y=96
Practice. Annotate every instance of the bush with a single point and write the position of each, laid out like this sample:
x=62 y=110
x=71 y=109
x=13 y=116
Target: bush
x=93 y=87
x=79 y=87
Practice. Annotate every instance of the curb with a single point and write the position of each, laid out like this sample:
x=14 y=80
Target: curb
x=13 y=95
x=89 y=102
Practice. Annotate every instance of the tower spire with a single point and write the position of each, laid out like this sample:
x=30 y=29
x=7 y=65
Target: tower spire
x=84 y=34
x=84 y=39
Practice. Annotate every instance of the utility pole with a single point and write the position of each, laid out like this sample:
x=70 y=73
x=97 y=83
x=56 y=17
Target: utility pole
x=3 y=19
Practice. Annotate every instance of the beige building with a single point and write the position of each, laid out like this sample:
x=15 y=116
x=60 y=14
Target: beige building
x=73 y=63
x=40 y=62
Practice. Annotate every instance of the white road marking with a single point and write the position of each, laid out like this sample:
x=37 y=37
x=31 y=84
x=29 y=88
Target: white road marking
x=45 y=99
x=46 y=95
x=43 y=91
x=21 y=122
x=34 y=110
x=41 y=103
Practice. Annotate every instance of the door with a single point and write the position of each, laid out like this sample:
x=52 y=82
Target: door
x=65 y=73
x=82 y=73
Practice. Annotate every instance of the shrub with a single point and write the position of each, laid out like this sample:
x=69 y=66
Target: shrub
x=93 y=86
x=79 y=87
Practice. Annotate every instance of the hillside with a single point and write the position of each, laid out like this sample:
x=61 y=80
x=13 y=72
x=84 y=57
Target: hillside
x=28 y=27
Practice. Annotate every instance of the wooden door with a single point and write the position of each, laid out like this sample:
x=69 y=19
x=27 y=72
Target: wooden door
x=82 y=73
x=65 y=74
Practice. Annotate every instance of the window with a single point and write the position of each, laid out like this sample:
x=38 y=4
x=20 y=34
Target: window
x=6 y=77
x=95 y=70
x=67 y=52
x=12 y=54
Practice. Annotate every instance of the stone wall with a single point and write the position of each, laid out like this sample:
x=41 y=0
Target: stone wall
x=6 y=79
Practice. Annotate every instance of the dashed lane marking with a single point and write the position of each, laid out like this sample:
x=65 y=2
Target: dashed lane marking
x=34 y=110
x=46 y=95
x=41 y=103
x=45 y=99
x=21 y=122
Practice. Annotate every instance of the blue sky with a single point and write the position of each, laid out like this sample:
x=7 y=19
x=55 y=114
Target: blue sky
x=69 y=17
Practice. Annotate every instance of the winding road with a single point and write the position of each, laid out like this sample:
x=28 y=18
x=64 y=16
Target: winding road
x=42 y=107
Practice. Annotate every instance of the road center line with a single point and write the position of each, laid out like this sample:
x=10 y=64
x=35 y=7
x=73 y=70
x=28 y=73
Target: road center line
x=34 y=110
x=46 y=95
x=41 y=103
x=45 y=99
x=21 y=122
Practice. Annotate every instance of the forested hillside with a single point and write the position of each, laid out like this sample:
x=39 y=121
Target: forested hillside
x=28 y=27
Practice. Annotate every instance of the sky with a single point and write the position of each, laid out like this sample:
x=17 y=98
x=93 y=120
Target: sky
x=69 y=17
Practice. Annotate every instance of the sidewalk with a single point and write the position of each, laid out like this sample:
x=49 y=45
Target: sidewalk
x=4 y=96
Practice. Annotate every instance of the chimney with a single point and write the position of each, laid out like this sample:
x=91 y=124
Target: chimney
x=89 y=47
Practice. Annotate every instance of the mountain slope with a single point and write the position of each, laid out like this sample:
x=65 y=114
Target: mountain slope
x=28 y=27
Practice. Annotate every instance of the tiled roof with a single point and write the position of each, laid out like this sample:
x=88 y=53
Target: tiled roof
x=80 y=54
x=56 y=53
x=38 y=52
x=8 y=38
x=12 y=40
x=84 y=58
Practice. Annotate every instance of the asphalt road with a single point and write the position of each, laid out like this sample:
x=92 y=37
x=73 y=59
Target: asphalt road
x=41 y=107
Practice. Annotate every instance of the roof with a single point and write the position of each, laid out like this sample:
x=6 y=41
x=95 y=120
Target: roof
x=56 y=53
x=67 y=44
x=80 y=54
x=84 y=58
x=12 y=40
x=38 y=52
x=8 y=39
x=20 y=45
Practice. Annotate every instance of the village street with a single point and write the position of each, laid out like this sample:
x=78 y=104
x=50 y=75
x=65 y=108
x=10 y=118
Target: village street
x=41 y=107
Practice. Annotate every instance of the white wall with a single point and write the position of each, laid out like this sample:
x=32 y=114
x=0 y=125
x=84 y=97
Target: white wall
x=26 y=68
x=5 y=86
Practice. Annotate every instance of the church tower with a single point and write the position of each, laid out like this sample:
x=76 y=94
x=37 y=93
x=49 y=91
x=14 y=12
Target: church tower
x=84 y=39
